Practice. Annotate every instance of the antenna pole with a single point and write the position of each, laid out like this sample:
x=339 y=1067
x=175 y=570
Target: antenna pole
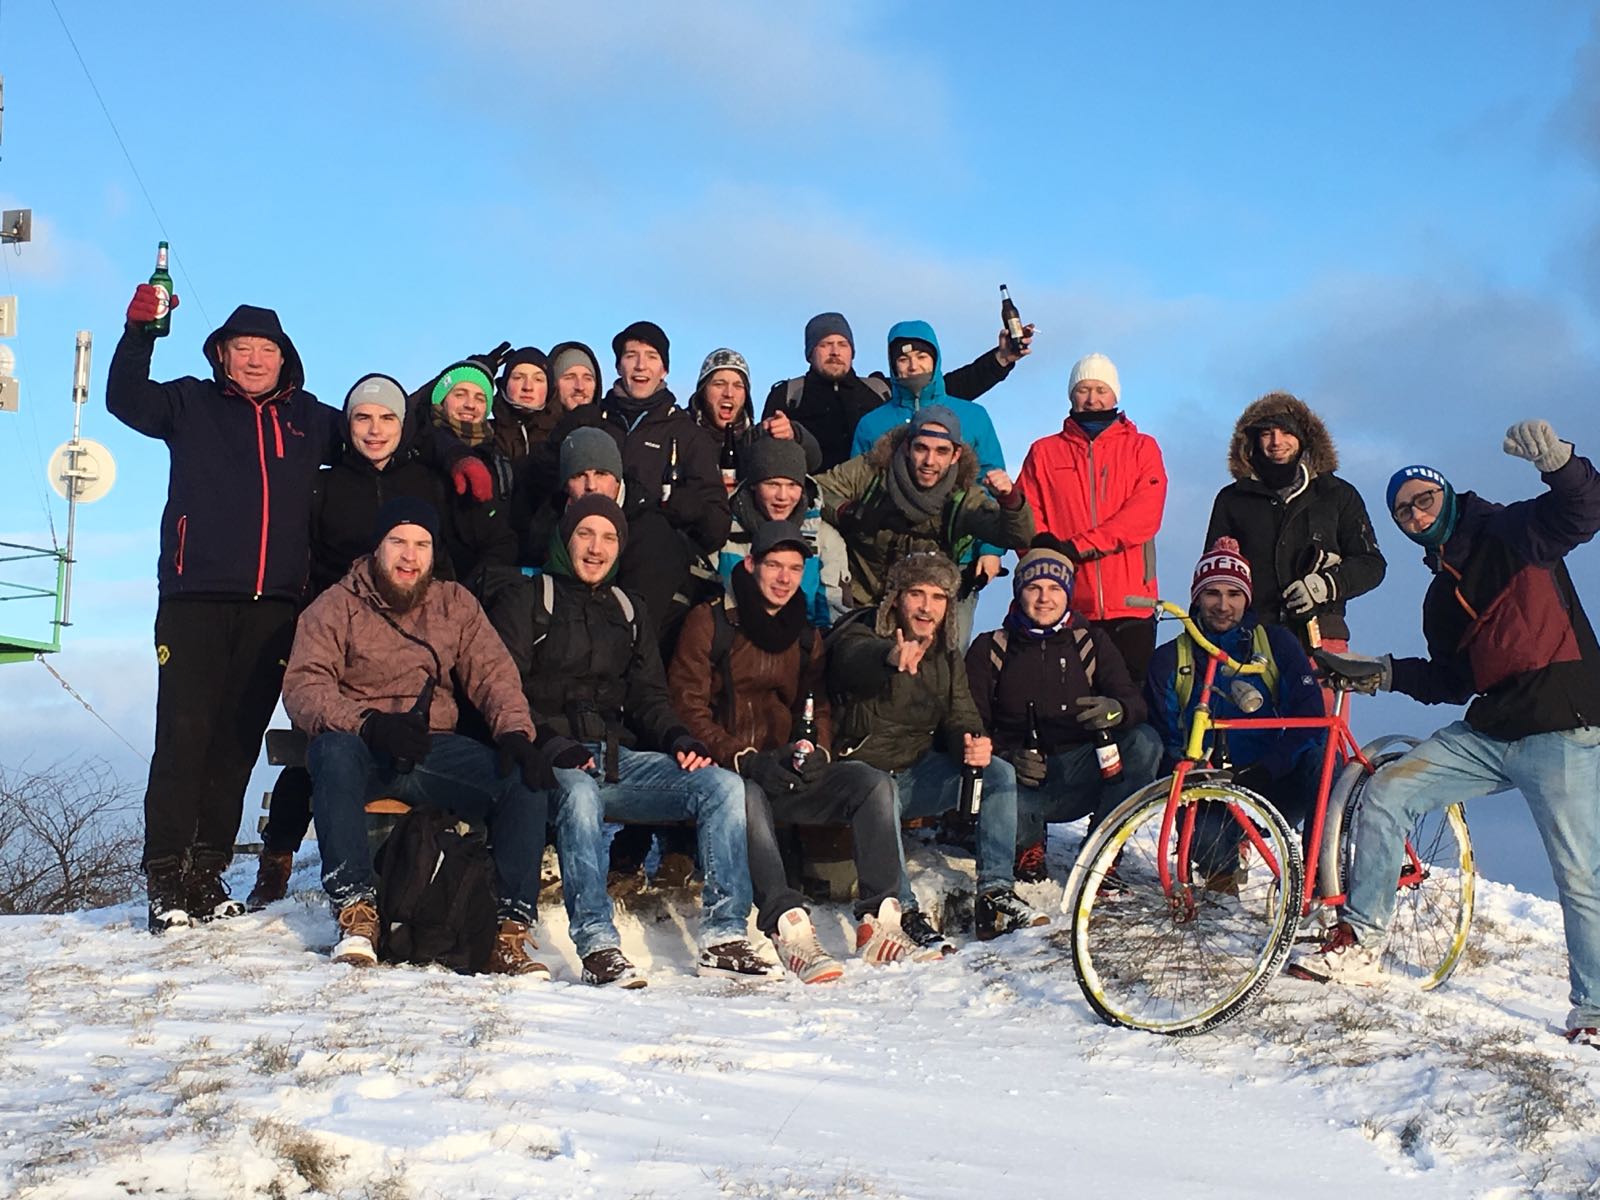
x=74 y=472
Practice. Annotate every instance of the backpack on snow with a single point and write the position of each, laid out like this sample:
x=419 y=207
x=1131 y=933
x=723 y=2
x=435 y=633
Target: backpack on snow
x=436 y=893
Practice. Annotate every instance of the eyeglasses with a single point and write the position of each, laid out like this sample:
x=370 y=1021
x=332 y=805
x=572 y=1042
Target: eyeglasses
x=1423 y=502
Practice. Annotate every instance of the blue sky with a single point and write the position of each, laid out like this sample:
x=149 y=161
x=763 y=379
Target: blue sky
x=1389 y=212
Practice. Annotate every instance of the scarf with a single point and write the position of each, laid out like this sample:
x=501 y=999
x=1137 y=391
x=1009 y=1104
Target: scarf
x=771 y=632
x=1017 y=621
x=915 y=504
x=1096 y=423
x=1280 y=477
x=471 y=433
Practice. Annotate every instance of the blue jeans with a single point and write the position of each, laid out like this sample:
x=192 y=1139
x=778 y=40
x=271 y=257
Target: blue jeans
x=932 y=785
x=1558 y=773
x=651 y=787
x=457 y=776
x=1214 y=846
x=1073 y=787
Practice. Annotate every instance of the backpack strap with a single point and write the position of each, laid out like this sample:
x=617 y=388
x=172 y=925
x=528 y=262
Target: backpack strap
x=1084 y=640
x=999 y=642
x=878 y=385
x=1260 y=646
x=791 y=392
x=625 y=603
x=722 y=635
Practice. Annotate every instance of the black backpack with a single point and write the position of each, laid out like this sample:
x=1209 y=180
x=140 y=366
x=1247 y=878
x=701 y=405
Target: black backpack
x=436 y=893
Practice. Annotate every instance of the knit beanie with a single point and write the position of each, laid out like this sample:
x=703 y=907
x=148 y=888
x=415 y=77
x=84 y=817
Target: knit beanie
x=1445 y=523
x=574 y=354
x=935 y=414
x=647 y=332
x=826 y=325
x=405 y=510
x=724 y=360
x=465 y=372
x=1098 y=367
x=588 y=448
x=528 y=354
x=1223 y=563
x=376 y=389
x=1042 y=563
x=774 y=458
x=593 y=505
x=897 y=347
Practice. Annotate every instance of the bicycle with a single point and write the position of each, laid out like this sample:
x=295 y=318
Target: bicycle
x=1157 y=946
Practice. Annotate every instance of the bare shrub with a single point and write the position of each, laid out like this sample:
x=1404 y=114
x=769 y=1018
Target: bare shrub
x=66 y=841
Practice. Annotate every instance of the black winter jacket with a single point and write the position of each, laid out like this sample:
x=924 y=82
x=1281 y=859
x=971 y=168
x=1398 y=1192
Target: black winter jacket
x=1502 y=618
x=237 y=516
x=698 y=505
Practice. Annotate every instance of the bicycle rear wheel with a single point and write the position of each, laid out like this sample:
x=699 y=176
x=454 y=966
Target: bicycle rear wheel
x=1433 y=915
x=1184 y=964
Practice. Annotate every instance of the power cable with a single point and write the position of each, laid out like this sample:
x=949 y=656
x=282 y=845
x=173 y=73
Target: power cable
x=89 y=708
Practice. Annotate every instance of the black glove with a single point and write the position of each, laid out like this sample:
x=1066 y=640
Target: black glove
x=515 y=750
x=402 y=736
x=565 y=752
x=1030 y=765
x=771 y=770
x=686 y=743
x=1253 y=778
x=815 y=764
x=495 y=359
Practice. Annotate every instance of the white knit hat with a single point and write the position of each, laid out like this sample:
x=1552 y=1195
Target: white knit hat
x=1095 y=366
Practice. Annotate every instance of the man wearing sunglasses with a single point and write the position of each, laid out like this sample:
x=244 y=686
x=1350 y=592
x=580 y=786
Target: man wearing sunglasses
x=1506 y=631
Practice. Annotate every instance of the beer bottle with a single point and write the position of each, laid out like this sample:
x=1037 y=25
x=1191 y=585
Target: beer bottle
x=1107 y=755
x=422 y=707
x=805 y=735
x=729 y=461
x=1011 y=320
x=971 y=790
x=161 y=280
x=669 y=476
x=1030 y=737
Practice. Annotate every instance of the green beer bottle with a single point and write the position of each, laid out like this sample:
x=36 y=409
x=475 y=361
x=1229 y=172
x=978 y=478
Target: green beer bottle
x=162 y=282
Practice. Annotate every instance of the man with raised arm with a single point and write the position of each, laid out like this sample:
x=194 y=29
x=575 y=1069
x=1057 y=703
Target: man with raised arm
x=1506 y=635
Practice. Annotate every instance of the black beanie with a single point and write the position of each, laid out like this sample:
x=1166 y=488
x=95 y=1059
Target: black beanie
x=647 y=332
x=405 y=510
x=774 y=458
x=594 y=504
x=528 y=354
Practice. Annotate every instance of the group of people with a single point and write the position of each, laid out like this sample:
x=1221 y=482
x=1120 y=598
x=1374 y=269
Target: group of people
x=551 y=607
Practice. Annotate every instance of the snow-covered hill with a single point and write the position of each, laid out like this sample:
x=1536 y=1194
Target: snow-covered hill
x=235 y=1061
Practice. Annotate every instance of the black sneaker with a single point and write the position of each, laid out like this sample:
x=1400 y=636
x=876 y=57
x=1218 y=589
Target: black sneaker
x=610 y=965
x=209 y=898
x=169 y=899
x=916 y=926
x=736 y=958
x=1002 y=911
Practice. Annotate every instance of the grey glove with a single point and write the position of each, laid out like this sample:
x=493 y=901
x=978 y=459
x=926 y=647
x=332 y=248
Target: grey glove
x=1357 y=672
x=1099 y=712
x=1301 y=596
x=1031 y=767
x=1538 y=443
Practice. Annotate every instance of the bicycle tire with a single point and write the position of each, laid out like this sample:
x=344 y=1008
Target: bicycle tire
x=1433 y=918
x=1142 y=967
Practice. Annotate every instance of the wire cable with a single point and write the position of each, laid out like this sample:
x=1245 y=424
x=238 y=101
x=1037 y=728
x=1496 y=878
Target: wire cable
x=89 y=708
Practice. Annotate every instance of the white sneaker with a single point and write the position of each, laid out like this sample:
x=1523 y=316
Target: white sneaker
x=802 y=955
x=880 y=940
x=1341 y=959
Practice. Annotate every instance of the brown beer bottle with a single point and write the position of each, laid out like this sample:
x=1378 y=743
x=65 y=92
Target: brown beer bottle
x=1011 y=320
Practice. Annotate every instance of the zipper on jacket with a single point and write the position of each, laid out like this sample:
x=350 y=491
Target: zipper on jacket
x=183 y=532
x=1094 y=523
x=266 y=497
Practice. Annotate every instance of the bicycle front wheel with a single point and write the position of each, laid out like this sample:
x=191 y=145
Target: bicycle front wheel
x=1433 y=907
x=1185 y=963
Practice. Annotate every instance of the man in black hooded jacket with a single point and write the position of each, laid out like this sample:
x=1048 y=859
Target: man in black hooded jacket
x=245 y=446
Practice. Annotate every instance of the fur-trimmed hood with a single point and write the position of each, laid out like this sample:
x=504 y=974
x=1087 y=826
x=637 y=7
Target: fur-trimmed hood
x=882 y=449
x=1317 y=450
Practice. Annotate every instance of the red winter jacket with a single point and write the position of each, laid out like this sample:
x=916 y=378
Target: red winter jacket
x=1106 y=495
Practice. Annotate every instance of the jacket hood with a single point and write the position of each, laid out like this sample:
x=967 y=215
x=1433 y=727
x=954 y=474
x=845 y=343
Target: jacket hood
x=934 y=393
x=1317 y=450
x=883 y=449
x=249 y=321
x=748 y=517
x=561 y=348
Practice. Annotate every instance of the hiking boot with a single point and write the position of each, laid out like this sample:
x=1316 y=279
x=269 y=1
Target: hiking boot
x=1340 y=959
x=880 y=939
x=915 y=925
x=209 y=898
x=1001 y=911
x=610 y=965
x=510 y=955
x=675 y=870
x=358 y=930
x=736 y=958
x=272 y=879
x=169 y=897
x=1030 y=866
x=795 y=940
x=1588 y=1036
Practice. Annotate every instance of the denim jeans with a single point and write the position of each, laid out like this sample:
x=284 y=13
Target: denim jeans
x=651 y=787
x=1073 y=787
x=457 y=776
x=1214 y=846
x=932 y=785
x=1559 y=775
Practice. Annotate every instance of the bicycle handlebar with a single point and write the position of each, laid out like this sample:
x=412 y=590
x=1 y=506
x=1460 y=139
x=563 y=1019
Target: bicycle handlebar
x=1255 y=666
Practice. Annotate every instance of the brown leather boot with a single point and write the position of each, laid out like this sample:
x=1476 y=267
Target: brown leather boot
x=358 y=929
x=511 y=955
x=272 y=880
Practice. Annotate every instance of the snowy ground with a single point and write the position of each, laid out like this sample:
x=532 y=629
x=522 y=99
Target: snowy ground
x=235 y=1061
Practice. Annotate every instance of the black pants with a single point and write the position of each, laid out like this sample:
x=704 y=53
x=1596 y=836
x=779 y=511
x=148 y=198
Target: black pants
x=1135 y=638
x=221 y=668
x=854 y=792
x=289 y=815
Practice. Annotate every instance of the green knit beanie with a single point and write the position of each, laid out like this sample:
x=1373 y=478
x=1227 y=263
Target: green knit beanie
x=465 y=372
